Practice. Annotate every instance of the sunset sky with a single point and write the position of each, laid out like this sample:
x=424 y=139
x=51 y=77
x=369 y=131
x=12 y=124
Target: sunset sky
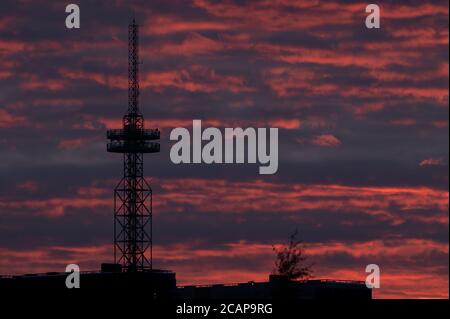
x=363 y=118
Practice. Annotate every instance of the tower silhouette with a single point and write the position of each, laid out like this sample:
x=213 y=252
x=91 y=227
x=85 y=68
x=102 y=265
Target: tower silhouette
x=133 y=195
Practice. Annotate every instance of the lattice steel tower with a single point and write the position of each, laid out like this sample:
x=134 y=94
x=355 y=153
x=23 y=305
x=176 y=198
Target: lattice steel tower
x=133 y=195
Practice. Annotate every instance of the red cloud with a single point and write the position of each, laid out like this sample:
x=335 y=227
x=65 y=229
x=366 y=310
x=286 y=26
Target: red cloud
x=286 y=124
x=161 y=25
x=399 y=281
x=193 y=44
x=7 y=119
x=432 y=162
x=326 y=140
x=260 y=196
x=74 y=143
x=31 y=186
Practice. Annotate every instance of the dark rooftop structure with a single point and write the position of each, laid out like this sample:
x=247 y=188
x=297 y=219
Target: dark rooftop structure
x=161 y=285
x=279 y=287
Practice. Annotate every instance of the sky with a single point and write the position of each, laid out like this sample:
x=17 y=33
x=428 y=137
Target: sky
x=363 y=118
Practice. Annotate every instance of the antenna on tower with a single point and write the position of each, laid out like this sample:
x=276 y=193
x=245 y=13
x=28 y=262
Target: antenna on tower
x=133 y=195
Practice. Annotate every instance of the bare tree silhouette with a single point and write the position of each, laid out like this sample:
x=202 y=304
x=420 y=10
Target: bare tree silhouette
x=290 y=260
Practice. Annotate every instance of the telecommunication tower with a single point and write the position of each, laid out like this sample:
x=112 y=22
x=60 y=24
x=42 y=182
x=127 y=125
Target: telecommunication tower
x=133 y=195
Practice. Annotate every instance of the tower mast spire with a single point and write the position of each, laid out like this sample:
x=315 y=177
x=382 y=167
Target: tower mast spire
x=133 y=68
x=133 y=195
